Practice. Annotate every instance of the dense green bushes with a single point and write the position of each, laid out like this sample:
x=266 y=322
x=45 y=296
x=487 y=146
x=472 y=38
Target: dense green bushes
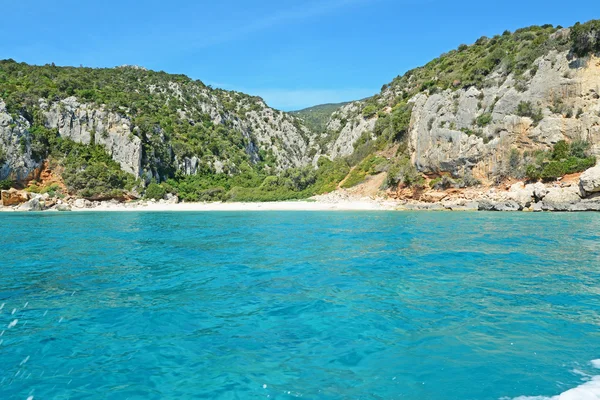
x=89 y=171
x=6 y=184
x=393 y=127
x=254 y=185
x=564 y=159
x=369 y=111
x=155 y=191
x=586 y=38
x=469 y=65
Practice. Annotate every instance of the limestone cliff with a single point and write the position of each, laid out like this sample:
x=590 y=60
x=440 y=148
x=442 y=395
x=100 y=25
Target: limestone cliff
x=16 y=160
x=447 y=134
x=473 y=107
x=153 y=125
x=87 y=123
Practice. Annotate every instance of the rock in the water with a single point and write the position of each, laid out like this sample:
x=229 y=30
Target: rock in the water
x=460 y=205
x=421 y=207
x=586 y=205
x=32 y=205
x=537 y=207
x=508 y=205
x=589 y=181
x=14 y=197
x=521 y=194
x=561 y=199
x=486 y=205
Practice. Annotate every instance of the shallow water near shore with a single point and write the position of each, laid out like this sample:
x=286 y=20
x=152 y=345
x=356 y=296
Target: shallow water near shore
x=315 y=305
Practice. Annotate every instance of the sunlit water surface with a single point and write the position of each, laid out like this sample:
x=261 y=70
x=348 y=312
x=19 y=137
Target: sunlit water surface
x=284 y=305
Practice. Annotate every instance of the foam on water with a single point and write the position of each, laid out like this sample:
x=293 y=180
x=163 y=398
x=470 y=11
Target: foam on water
x=589 y=390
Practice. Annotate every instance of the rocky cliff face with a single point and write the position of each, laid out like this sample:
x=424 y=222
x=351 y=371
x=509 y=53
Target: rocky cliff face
x=16 y=160
x=468 y=112
x=152 y=151
x=478 y=128
x=265 y=129
x=348 y=125
x=85 y=123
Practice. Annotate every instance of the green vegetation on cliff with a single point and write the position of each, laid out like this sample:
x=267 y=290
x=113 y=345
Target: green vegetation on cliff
x=160 y=105
x=564 y=159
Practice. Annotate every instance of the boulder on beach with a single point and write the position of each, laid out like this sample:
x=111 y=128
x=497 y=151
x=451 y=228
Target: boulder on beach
x=561 y=199
x=32 y=205
x=82 y=203
x=14 y=197
x=589 y=181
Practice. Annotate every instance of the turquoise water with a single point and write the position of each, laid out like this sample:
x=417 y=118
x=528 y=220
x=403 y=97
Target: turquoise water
x=284 y=305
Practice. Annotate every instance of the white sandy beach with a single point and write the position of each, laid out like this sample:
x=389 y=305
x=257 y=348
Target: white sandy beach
x=352 y=205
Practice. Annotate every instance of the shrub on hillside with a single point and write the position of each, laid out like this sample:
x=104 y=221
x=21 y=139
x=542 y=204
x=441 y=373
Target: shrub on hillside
x=586 y=38
x=404 y=172
x=6 y=184
x=155 y=191
x=369 y=111
x=564 y=159
x=484 y=119
x=526 y=109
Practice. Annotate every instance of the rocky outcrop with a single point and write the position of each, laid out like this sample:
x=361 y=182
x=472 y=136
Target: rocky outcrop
x=32 y=205
x=445 y=133
x=16 y=159
x=275 y=131
x=92 y=124
x=561 y=199
x=349 y=125
x=475 y=129
x=82 y=203
x=589 y=181
x=13 y=197
x=265 y=130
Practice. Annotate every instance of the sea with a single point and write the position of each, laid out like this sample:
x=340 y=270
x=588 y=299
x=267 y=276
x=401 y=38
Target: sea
x=300 y=305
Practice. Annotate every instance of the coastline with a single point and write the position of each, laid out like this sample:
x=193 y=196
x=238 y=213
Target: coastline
x=236 y=206
x=299 y=205
x=576 y=193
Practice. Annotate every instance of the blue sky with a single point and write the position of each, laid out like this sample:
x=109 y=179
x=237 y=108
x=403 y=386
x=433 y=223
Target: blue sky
x=294 y=54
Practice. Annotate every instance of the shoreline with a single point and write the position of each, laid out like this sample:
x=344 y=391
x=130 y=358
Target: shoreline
x=354 y=205
x=245 y=206
x=575 y=195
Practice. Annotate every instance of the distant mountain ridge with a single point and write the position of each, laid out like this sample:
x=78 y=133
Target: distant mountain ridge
x=316 y=117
